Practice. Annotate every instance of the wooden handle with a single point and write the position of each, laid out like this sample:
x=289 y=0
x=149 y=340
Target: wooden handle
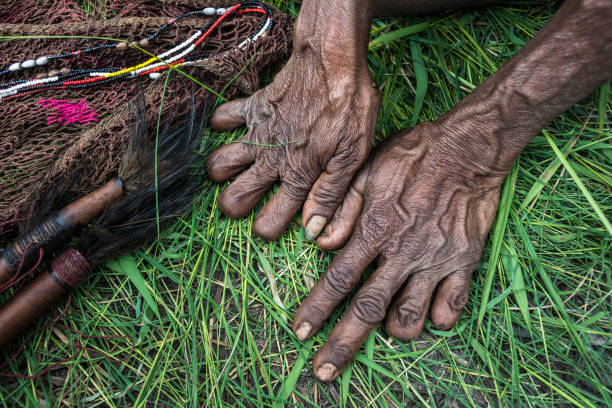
x=57 y=229
x=67 y=270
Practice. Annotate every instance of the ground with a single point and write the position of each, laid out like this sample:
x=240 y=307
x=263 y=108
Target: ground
x=208 y=306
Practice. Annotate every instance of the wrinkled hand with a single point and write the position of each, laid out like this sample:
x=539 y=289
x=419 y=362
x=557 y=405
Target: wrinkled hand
x=427 y=208
x=311 y=129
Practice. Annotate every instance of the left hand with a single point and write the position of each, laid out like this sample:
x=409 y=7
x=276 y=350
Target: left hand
x=311 y=128
x=427 y=209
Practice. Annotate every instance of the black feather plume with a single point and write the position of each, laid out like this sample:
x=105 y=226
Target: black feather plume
x=133 y=220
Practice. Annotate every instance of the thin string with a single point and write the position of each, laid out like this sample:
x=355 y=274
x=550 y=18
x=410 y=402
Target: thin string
x=77 y=345
x=16 y=277
x=150 y=67
x=11 y=221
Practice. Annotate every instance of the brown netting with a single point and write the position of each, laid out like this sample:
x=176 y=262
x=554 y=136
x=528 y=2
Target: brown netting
x=34 y=154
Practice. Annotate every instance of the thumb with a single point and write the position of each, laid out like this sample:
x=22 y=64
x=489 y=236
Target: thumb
x=341 y=227
x=328 y=192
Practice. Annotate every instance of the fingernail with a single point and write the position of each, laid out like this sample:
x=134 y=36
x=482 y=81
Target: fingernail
x=303 y=330
x=315 y=226
x=326 y=372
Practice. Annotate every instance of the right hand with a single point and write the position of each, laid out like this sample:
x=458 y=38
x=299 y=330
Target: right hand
x=422 y=209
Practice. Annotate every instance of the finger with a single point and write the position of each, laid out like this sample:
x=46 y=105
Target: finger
x=329 y=189
x=229 y=160
x=276 y=215
x=340 y=228
x=451 y=297
x=229 y=115
x=338 y=280
x=406 y=316
x=246 y=191
x=366 y=311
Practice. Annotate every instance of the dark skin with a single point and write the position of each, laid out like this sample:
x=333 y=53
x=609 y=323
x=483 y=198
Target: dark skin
x=311 y=129
x=422 y=206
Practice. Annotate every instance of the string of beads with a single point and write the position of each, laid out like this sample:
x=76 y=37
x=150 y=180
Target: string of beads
x=179 y=55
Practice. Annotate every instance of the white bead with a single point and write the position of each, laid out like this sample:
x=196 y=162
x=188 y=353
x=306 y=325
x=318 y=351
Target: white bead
x=42 y=61
x=28 y=64
x=154 y=75
x=210 y=11
x=16 y=66
x=221 y=11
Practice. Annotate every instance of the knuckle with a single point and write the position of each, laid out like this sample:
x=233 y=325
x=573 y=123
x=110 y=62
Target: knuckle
x=341 y=351
x=374 y=225
x=327 y=195
x=339 y=280
x=295 y=188
x=410 y=312
x=312 y=310
x=370 y=307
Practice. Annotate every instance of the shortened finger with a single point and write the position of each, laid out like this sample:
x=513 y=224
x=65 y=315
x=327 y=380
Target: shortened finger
x=366 y=311
x=276 y=215
x=229 y=115
x=450 y=299
x=229 y=160
x=338 y=281
x=406 y=317
x=241 y=196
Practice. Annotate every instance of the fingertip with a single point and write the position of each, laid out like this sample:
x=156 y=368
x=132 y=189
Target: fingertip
x=277 y=214
x=215 y=168
x=443 y=320
x=231 y=205
x=326 y=372
x=265 y=229
x=450 y=299
x=335 y=235
x=228 y=116
x=402 y=332
x=405 y=319
x=303 y=330
x=315 y=226
x=443 y=315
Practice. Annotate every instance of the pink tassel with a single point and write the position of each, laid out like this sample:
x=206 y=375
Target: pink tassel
x=69 y=112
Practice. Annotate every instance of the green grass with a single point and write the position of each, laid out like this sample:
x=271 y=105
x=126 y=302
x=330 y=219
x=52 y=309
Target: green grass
x=209 y=304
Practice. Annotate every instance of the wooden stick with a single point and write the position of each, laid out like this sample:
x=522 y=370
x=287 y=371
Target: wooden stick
x=55 y=230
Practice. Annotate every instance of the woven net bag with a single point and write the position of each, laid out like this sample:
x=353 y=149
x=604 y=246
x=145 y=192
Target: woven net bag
x=38 y=147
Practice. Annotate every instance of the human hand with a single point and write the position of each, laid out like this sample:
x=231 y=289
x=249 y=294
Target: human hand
x=428 y=205
x=311 y=128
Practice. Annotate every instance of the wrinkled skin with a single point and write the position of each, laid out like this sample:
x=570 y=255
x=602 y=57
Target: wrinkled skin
x=311 y=128
x=422 y=206
x=425 y=202
x=425 y=218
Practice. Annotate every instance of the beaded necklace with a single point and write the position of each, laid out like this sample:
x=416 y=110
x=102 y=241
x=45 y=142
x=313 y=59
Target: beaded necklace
x=180 y=55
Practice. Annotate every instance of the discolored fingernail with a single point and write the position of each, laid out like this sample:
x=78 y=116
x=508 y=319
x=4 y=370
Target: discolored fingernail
x=315 y=226
x=303 y=330
x=326 y=372
x=326 y=231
